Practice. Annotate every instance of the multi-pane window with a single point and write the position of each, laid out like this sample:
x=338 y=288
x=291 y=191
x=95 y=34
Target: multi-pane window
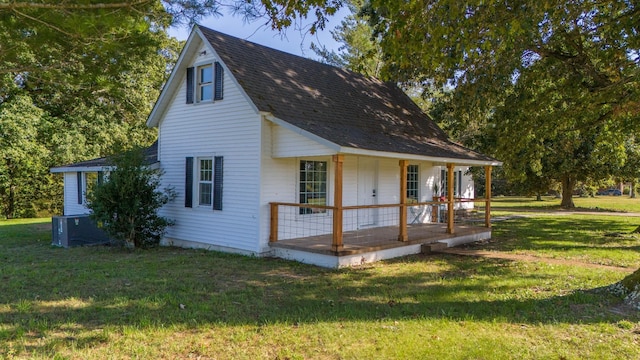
x=313 y=185
x=205 y=181
x=205 y=83
x=412 y=182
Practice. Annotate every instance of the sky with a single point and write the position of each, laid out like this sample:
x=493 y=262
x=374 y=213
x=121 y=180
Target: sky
x=292 y=41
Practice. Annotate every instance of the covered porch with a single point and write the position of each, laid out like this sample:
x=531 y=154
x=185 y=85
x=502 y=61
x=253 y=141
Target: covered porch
x=334 y=235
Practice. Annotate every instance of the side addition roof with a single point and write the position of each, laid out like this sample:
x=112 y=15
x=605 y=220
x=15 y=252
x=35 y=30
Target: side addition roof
x=150 y=155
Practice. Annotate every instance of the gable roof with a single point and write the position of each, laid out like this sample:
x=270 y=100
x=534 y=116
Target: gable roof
x=150 y=157
x=345 y=108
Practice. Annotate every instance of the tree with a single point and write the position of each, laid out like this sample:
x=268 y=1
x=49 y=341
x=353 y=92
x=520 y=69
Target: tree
x=93 y=71
x=631 y=169
x=127 y=203
x=50 y=34
x=571 y=68
x=360 y=51
x=21 y=156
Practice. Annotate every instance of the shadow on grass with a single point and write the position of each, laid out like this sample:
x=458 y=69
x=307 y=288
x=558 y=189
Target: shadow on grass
x=67 y=295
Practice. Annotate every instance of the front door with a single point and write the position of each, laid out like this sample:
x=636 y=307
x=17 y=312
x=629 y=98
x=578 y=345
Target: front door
x=367 y=191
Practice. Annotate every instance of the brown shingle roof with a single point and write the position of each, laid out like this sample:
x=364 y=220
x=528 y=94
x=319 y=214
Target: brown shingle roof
x=341 y=106
x=150 y=155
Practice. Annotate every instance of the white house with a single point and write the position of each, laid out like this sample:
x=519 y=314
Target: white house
x=272 y=154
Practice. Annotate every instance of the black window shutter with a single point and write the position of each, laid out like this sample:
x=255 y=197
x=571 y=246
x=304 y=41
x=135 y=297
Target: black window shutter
x=79 y=175
x=190 y=85
x=188 y=183
x=460 y=183
x=100 y=177
x=217 y=182
x=218 y=81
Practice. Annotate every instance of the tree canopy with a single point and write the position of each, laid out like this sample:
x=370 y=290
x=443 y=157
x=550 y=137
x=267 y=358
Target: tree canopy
x=86 y=76
x=551 y=88
x=359 y=50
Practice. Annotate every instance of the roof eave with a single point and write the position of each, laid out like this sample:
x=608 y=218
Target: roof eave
x=66 y=169
x=161 y=105
x=405 y=156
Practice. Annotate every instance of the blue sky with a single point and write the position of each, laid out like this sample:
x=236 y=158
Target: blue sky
x=292 y=41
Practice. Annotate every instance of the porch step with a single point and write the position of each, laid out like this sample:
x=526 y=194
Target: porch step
x=433 y=247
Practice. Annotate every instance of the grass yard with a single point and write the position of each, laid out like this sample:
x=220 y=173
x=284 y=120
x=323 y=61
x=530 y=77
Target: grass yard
x=102 y=303
x=598 y=203
x=594 y=239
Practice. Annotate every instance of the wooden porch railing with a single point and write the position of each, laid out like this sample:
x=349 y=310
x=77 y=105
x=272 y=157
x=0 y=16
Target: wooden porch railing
x=327 y=215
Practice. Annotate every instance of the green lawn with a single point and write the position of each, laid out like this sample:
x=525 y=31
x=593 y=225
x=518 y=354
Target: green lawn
x=597 y=239
x=101 y=303
x=598 y=203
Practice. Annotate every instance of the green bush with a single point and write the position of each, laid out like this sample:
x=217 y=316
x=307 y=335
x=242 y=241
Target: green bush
x=127 y=202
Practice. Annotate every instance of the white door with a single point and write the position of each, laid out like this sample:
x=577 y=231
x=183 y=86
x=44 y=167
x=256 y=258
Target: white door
x=367 y=191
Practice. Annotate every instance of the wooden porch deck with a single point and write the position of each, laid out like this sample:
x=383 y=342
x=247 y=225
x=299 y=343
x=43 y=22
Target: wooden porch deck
x=379 y=238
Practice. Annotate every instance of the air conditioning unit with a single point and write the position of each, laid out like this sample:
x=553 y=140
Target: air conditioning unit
x=76 y=230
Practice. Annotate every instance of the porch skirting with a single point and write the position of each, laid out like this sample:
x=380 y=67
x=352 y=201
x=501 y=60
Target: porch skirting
x=317 y=251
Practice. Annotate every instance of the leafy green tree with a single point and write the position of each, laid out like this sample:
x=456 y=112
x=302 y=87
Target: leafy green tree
x=127 y=202
x=360 y=51
x=94 y=69
x=631 y=169
x=555 y=141
x=553 y=84
x=21 y=156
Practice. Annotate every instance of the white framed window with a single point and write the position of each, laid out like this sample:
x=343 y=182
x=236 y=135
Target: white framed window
x=413 y=182
x=205 y=83
x=205 y=181
x=313 y=185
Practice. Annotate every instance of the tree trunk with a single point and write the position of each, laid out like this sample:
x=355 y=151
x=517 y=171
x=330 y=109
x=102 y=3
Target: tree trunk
x=631 y=285
x=632 y=190
x=568 y=183
x=10 y=206
x=11 y=202
x=538 y=197
x=632 y=281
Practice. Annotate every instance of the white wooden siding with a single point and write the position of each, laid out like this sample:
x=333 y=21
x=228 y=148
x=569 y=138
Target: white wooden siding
x=277 y=181
x=287 y=143
x=71 y=206
x=228 y=128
